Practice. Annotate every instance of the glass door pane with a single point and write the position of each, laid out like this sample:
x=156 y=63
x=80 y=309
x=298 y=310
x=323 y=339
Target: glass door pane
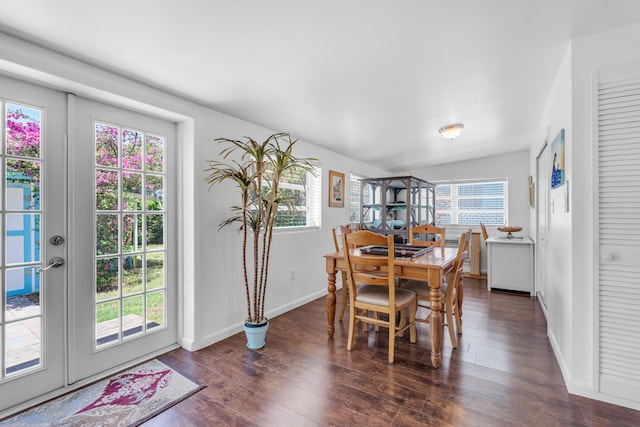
x=22 y=318
x=129 y=233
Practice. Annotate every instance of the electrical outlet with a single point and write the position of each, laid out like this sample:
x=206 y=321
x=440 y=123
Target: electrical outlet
x=292 y=275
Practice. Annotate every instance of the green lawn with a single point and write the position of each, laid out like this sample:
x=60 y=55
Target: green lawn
x=133 y=305
x=132 y=291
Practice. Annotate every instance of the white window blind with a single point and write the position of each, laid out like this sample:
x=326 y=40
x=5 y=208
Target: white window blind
x=354 y=197
x=355 y=188
x=304 y=191
x=471 y=202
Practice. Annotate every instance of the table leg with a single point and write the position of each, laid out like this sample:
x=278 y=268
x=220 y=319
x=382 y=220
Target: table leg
x=331 y=296
x=435 y=321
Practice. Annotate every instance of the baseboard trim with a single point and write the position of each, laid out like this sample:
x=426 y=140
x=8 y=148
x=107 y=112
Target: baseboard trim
x=482 y=276
x=238 y=327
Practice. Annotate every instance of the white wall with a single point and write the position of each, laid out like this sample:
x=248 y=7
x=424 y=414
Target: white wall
x=573 y=255
x=513 y=166
x=222 y=298
x=557 y=116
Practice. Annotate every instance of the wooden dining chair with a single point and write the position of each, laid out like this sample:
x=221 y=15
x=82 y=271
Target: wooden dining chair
x=427 y=229
x=449 y=290
x=485 y=235
x=377 y=293
x=355 y=226
x=465 y=256
x=338 y=232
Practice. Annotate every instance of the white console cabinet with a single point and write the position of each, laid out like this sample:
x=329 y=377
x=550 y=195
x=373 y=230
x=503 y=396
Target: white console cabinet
x=510 y=264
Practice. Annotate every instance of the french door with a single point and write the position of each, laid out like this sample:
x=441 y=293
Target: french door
x=86 y=260
x=32 y=211
x=121 y=243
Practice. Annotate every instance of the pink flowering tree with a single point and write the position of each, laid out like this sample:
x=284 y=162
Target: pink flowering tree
x=126 y=159
x=23 y=134
x=23 y=141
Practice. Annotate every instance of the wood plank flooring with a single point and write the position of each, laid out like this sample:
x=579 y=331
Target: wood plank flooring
x=502 y=374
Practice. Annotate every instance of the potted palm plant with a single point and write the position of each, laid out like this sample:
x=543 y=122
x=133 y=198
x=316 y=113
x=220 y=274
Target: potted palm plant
x=257 y=169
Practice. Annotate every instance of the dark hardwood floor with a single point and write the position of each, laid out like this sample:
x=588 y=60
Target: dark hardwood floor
x=503 y=374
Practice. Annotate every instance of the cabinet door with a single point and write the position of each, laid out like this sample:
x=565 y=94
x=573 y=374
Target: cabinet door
x=510 y=266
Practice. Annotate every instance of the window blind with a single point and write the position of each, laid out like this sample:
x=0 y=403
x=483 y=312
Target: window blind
x=471 y=202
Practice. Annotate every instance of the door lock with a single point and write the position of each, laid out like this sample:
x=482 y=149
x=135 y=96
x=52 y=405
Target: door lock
x=56 y=240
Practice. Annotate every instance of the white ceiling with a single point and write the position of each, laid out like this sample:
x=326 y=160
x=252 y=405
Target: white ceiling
x=372 y=79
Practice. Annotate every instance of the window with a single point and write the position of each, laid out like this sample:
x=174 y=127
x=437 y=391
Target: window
x=471 y=202
x=302 y=190
x=354 y=199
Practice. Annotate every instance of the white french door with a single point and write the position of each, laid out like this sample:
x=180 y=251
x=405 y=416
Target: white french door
x=32 y=211
x=123 y=299
x=87 y=271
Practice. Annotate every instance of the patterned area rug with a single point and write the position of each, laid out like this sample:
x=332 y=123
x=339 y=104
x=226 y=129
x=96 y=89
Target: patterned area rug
x=126 y=399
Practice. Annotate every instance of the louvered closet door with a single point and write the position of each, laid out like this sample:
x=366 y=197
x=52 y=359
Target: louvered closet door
x=619 y=234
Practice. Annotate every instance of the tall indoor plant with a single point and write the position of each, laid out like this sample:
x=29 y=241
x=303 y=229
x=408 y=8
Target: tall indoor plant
x=257 y=169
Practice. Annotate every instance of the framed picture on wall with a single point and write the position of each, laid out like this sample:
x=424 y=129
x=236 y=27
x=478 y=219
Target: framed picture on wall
x=557 y=165
x=336 y=189
x=532 y=192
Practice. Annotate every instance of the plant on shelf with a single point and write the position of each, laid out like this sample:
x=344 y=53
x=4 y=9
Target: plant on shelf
x=257 y=169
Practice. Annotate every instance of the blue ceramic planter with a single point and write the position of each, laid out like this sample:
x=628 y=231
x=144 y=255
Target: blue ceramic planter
x=256 y=335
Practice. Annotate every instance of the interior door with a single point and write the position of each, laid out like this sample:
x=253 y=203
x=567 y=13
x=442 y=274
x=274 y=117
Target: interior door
x=618 y=230
x=123 y=296
x=32 y=211
x=542 y=188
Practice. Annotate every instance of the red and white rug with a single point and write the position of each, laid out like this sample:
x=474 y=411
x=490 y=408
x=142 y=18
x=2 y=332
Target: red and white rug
x=126 y=399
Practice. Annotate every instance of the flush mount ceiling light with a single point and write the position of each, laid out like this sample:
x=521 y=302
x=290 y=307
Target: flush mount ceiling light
x=451 y=131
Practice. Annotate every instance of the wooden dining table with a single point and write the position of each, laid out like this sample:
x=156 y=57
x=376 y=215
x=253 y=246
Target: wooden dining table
x=430 y=267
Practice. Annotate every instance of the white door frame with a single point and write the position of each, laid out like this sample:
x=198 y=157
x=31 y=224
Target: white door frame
x=542 y=227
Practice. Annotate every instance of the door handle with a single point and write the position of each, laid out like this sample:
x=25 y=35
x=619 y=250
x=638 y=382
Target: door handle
x=606 y=257
x=54 y=262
